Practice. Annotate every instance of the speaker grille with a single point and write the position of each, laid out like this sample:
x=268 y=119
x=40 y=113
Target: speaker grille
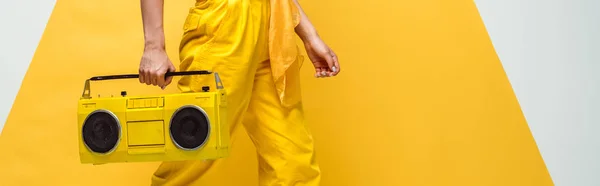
x=101 y=132
x=189 y=128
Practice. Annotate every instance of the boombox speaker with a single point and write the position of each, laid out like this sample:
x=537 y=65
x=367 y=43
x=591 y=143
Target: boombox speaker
x=170 y=127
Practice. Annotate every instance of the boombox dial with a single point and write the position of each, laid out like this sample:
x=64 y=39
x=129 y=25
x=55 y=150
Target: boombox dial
x=101 y=132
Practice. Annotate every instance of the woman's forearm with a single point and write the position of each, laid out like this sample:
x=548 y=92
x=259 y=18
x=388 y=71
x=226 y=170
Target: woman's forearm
x=152 y=18
x=305 y=29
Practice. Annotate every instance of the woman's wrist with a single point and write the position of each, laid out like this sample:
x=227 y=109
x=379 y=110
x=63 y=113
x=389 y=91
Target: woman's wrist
x=154 y=43
x=154 y=46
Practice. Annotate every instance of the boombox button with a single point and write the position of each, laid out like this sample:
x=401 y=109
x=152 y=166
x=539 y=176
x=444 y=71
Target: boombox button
x=161 y=102
x=130 y=104
x=145 y=103
x=151 y=103
x=205 y=88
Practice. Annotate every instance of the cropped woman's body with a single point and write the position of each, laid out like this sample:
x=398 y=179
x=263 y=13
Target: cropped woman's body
x=251 y=44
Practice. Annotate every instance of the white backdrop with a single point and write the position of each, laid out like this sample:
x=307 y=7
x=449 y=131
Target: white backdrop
x=22 y=23
x=551 y=53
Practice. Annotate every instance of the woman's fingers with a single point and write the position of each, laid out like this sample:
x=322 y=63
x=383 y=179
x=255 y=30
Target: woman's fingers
x=170 y=78
x=142 y=78
x=317 y=72
x=322 y=72
x=147 y=77
x=336 y=65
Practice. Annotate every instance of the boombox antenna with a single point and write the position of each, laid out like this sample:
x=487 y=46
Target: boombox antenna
x=87 y=92
x=218 y=81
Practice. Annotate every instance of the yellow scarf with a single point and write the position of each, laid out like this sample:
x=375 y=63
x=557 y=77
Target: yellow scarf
x=283 y=50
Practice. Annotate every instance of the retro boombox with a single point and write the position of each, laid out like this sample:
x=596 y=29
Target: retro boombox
x=171 y=127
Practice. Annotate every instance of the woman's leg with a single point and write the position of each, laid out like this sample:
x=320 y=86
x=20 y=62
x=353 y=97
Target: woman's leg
x=228 y=37
x=285 y=145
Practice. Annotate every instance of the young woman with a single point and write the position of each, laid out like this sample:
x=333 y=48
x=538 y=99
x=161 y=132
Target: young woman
x=251 y=44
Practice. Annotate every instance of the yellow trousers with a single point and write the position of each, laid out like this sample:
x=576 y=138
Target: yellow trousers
x=231 y=37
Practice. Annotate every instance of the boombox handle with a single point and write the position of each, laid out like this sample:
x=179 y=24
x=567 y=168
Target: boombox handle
x=87 y=91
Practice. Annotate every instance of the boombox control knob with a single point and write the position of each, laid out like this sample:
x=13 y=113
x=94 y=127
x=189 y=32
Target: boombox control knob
x=205 y=88
x=123 y=93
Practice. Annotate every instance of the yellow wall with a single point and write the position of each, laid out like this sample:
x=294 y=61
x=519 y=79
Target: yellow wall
x=422 y=98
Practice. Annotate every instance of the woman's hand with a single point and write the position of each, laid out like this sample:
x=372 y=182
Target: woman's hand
x=323 y=58
x=154 y=65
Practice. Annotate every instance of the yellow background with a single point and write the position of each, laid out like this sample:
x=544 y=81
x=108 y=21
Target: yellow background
x=422 y=98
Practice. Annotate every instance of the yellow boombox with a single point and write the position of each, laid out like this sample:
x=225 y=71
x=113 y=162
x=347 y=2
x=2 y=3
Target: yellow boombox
x=171 y=127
